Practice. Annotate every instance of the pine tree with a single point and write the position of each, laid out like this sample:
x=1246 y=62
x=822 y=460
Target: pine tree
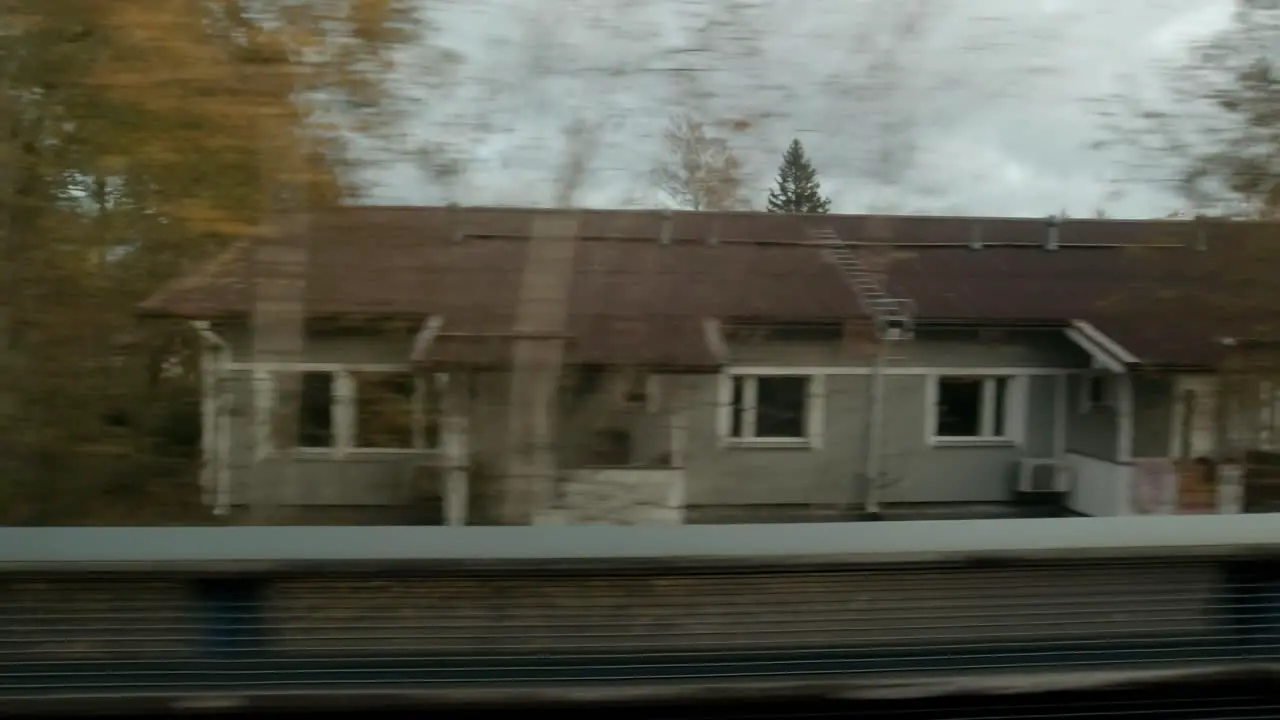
x=798 y=190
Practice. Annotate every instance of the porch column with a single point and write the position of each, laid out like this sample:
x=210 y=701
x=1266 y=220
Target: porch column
x=677 y=418
x=1124 y=418
x=455 y=429
x=209 y=397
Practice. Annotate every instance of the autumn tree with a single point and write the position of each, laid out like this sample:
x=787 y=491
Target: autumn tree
x=797 y=189
x=136 y=138
x=1212 y=134
x=1214 y=137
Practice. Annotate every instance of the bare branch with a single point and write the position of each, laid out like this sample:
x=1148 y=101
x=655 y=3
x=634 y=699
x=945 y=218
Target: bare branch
x=699 y=171
x=1214 y=134
x=581 y=143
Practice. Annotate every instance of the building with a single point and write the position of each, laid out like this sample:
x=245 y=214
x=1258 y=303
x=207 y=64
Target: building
x=472 y=365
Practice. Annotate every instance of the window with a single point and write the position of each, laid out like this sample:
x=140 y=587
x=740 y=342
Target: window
x=384 y=410
x=772 y=408
x=358 y=411
x=973 y=408
x=315 y=412
x=638 y=391
x=1095 y=392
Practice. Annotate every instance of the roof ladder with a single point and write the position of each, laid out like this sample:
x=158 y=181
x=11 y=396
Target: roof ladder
x=894 y=318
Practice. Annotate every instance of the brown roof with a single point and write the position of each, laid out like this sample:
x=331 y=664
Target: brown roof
x=636 y=298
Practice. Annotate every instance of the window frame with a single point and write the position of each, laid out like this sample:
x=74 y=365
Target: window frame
x=344 y=412
x=1015 y=410
x=747 y=413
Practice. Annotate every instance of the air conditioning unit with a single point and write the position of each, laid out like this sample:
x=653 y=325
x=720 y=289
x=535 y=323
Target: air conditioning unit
x=1041 y=475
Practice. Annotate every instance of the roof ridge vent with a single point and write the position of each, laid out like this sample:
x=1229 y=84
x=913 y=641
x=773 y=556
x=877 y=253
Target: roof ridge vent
x=1054 y=235
x=456 y=233
x=1201 y=241
x=668 y=227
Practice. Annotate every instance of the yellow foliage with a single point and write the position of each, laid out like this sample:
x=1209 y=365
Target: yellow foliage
x=140 y=137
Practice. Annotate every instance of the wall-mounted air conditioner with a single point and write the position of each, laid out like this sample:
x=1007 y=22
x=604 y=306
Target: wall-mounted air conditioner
x=1043 y=475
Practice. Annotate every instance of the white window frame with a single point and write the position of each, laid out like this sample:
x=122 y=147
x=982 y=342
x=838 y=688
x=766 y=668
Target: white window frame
x=1015 y=409
x=343 y=410
x=815 y=409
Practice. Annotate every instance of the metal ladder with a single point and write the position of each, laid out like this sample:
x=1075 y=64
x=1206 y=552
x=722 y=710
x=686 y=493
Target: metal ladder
x=893 y=318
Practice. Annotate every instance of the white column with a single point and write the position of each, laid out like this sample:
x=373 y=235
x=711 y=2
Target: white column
x=457 y=455
x=1230 y=489
x=1124 y=418
x=342 y=411
x=418 y=411
x=676 y=401
x=222 y=491
x=208 y=423
x=1061 y=411
x=264 y=409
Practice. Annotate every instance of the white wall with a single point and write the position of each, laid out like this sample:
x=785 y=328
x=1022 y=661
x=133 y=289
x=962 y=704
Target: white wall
x=1099 y=487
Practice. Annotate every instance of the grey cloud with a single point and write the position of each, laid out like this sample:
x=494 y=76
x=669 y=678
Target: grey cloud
x=991 y=110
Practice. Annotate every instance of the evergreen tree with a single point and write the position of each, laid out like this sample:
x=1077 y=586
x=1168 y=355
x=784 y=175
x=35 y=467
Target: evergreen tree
x=797 y=190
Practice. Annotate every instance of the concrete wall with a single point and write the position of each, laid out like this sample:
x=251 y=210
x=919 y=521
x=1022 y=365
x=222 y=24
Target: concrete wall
x=302 y=483
x=618 y=496
x=292 y=484
x=1091 y=432
x=1153 y=416
x=1104 y=482
x=733 y=479
x=922 y=606
x=726 y=611
x=721 y=477
x=61 y=619
x=312 y=485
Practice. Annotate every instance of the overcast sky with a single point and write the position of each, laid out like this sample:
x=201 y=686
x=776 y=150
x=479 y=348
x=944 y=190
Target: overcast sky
x=988 y=107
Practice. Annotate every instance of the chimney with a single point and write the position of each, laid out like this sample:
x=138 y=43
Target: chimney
x=455 y=222
x=1201 y=243
x=668 y=227
x=1051 y=240
x=975 y=236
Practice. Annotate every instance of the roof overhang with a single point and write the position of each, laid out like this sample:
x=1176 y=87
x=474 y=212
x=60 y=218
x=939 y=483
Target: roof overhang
x=1105 y=352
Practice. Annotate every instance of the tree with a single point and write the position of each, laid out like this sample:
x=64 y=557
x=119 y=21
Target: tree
x=134 y=141
x=699 y=171
x=1214 y=132
x=797 y=189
